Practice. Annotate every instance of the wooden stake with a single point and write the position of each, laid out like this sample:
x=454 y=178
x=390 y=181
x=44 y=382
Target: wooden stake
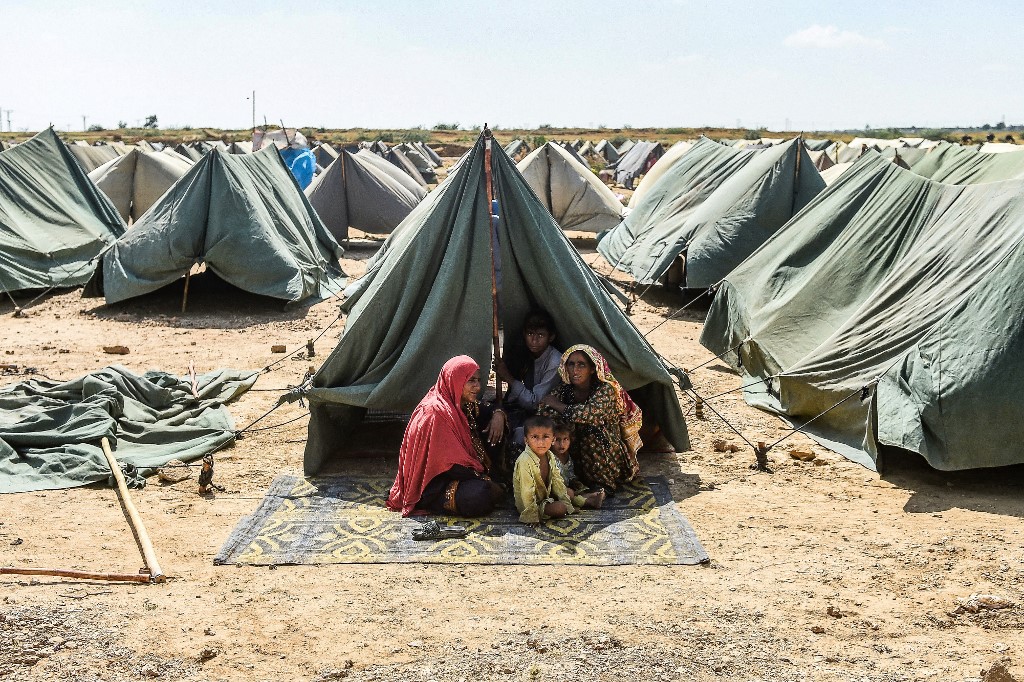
x=491 y=232
x=184 y=296
x=134 y=520
x=81 y=575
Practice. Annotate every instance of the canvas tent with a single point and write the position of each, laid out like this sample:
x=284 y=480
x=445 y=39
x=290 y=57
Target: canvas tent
x=517 y=150
x=135 y=181
x=189 y=152
x=426 y=297
x=607 y=150
x=897 y=300
x=658 y=169
x=53 y=220
x=355 y=192
x=953 y=164
x=92 y=157
x=640 y=158
x=398 y=159
x=424 y=165
x=245 y=218
x=576 y=198
x=714 y=207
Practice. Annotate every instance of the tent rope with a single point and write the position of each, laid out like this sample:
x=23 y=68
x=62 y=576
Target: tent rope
x=302 y=348
x=708 y=292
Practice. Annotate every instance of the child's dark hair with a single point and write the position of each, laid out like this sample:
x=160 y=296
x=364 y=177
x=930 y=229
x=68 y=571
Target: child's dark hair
x=538 y=421
x=539 y=320
x=566 y=428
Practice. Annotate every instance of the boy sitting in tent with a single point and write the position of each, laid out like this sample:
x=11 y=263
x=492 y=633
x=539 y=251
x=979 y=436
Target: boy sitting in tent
x=535 y=375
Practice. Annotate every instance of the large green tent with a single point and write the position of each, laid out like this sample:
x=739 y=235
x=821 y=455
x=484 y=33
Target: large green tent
x=891 y=307
x=53 y=220
x=713 y=207
x=426 y=297
x=244 y=216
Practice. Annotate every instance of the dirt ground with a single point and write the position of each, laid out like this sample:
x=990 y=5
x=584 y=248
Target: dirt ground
x=820 y=571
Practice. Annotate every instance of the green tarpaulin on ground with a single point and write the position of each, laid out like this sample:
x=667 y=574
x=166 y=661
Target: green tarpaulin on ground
x=53 y=220
x=244 y=216
x=50 y=431
x=897 y=298
x=426 y=297
x=713 y=207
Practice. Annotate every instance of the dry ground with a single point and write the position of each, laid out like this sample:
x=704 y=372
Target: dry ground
x=820 y=571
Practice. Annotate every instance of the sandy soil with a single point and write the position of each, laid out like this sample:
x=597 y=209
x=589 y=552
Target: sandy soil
x=820 y=571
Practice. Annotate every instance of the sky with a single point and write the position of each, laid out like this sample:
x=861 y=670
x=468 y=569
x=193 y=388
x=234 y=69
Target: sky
x=784 y=65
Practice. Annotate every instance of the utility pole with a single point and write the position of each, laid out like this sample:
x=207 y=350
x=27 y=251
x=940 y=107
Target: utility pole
x=83 y=123
x=9 y=128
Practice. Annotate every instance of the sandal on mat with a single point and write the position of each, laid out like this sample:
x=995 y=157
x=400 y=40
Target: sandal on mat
x=432 y=530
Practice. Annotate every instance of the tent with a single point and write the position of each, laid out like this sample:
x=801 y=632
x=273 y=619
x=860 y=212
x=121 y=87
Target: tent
x=424 y=165
x=325 y=154
x=53 y=220
x=832 y=174
x=576 y=197
x=245 y=218
x=953 y=164
x=92 y=157
x=607 y=150
x=136 y=180
x=658 y=169
x=1000 y=147
x=571 y=151
x=398 y=158
x=189 y=152
x=640 y=158
x=243 y=147
x=426 y=297
x=586 y=149
x=713 y=207
x=895 y=301
x=820 y=159
x=430 y=153
x=517 y=150
x=625 y=147
x=356 y=192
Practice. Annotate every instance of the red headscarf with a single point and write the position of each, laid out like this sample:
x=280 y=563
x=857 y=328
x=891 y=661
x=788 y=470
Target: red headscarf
x=437 y=437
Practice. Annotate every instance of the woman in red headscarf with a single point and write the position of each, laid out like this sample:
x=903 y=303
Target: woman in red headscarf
x=444 y=461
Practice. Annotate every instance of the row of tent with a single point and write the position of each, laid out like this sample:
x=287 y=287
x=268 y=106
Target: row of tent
x=884 y=305
x=885 y=299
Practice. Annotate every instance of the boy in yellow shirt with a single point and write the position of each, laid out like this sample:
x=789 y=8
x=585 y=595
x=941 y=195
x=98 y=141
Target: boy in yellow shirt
x=537 y=484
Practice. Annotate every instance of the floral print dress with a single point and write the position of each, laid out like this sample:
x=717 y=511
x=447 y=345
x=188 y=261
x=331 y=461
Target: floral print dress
x=598 y=450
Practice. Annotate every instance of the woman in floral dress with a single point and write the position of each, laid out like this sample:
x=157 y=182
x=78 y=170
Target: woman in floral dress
x=605 y=419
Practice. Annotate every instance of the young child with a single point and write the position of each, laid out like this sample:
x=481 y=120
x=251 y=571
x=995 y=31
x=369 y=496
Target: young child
x=575 y=488
x=538 y=487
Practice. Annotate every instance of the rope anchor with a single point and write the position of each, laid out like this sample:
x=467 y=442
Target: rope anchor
x=761 y=455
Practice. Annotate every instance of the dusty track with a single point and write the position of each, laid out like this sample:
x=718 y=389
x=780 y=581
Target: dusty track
x=889 y=556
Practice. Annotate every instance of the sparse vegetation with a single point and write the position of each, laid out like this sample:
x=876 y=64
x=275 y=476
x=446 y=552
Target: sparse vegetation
x=151 y=122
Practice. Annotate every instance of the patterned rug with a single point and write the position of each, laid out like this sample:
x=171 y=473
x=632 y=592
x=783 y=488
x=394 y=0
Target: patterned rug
x=342 y=520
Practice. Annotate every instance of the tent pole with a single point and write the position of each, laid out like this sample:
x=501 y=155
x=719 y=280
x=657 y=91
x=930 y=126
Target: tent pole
x=495 y=340
x=184 y=296
x=132 y=514
x=796 y=173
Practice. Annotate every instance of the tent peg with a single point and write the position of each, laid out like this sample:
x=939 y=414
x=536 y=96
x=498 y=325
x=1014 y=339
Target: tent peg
x=761 y=454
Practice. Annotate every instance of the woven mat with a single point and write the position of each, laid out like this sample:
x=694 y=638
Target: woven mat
x=342 y=520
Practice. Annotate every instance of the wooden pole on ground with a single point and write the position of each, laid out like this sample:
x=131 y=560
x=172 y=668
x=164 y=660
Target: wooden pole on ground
x=491 y=234
x=134 y=520
x=81 y=575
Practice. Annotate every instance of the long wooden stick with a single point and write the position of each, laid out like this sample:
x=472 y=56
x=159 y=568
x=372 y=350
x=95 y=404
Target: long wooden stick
x=134 y=520
x=71 y=573
x=184 y=296
x=491 y=234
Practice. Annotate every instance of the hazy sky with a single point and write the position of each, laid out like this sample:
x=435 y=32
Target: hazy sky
x=819 y=65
